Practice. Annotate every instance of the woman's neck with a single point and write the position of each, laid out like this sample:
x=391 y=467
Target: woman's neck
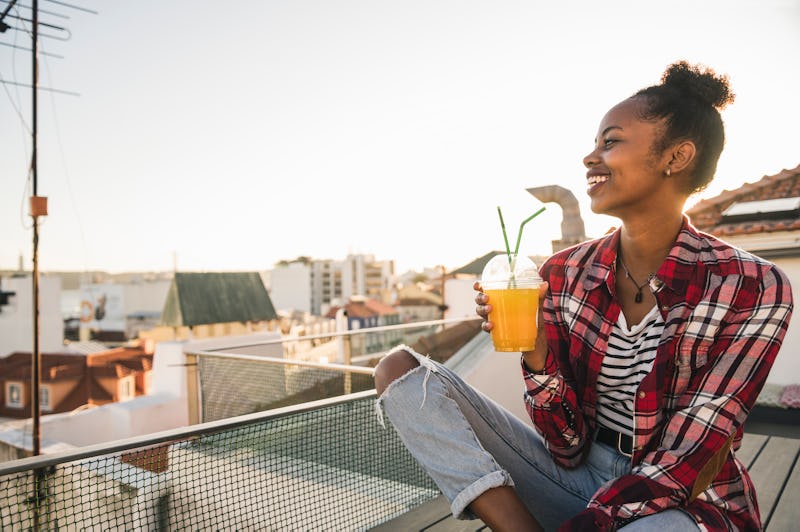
x=645 y=243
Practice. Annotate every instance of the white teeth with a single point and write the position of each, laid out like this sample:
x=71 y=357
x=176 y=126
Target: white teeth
x=593 y=180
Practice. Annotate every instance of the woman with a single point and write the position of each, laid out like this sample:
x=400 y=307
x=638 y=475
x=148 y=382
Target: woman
x=655 y=342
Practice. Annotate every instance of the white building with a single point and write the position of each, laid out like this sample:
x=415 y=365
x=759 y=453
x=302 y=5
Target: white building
x=314 y=286
x=290 y=287
x=16 y=316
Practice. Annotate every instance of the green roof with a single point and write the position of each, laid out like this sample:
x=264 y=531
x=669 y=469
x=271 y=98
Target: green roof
x=205 y=298
x=476 y=266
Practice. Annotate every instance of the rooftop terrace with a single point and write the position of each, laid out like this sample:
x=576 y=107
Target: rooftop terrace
x=297 y=447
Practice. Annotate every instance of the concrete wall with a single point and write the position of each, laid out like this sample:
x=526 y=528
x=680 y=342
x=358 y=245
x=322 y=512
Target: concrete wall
x=786 y=369
x=116 y=421
x=497 y=375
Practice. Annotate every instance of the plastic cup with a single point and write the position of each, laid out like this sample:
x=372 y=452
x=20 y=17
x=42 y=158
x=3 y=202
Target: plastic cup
x=514 y=300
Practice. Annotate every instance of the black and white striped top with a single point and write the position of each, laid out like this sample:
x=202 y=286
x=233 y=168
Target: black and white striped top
x=629 y=358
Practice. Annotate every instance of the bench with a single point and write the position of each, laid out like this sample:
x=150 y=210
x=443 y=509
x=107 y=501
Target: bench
x=772 y=461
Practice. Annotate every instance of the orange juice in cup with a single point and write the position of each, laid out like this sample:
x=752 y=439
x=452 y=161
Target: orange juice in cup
x=513 y=290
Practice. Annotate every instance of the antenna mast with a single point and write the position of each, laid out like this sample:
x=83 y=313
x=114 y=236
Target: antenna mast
x=35 y=211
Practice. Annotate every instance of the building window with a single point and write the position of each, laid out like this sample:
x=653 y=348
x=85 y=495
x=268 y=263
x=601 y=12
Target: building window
x=14 y=394
x=125 y=388
x=44 y=398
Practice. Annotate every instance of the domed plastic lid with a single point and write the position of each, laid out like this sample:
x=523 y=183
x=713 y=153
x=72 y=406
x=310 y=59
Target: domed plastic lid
x=497 y=272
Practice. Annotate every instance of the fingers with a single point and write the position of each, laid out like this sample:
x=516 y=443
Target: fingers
x=543 y=290
x=481 y=299
x=483 y=307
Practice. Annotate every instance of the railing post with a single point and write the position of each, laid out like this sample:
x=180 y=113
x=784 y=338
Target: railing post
x=193 y=388
x=348 y=385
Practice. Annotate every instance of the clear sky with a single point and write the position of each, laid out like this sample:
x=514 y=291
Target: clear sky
x=231 y=135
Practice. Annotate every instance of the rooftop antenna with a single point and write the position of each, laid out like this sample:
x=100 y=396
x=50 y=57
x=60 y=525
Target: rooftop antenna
x=37 y=208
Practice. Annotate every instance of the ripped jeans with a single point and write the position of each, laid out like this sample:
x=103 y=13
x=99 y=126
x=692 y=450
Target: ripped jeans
x=469 y=444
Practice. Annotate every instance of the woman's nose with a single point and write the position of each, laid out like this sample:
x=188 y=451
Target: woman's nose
x=591 y=159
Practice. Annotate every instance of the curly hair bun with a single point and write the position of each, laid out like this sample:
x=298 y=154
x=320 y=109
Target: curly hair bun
x=699 y=81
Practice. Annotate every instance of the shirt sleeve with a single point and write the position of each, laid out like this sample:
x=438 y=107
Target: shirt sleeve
x=721 y=390
x=551 y=401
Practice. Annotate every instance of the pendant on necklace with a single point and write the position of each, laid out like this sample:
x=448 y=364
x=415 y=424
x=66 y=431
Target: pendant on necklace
x=638 y=297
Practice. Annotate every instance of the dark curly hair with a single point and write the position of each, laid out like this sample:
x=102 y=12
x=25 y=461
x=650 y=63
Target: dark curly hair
x=689 y=99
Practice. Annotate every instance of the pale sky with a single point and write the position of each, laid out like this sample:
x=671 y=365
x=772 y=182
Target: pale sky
x=231 y=135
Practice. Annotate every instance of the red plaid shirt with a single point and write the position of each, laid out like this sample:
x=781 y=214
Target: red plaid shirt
x=725 y=313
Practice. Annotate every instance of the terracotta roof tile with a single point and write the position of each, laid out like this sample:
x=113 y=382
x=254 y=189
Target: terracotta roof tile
x=365 y=308
x=380 y=308
x=706 y=215
x=359 y=310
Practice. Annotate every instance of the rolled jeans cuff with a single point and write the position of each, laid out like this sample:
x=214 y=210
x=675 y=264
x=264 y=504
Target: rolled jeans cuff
x=460 y=504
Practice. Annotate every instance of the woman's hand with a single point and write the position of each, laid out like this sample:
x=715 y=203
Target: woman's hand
x=535 y=360
x=484 y=308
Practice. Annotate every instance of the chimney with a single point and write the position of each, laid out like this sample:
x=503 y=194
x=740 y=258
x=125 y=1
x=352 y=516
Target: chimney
x=572 y=228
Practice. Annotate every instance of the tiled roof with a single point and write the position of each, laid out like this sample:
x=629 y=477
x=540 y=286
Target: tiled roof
x=706 y=215
x=17 y=366
x=206 y=298
x=82 y=374
x=379 y=308
x=359 y=310
x=363 y=308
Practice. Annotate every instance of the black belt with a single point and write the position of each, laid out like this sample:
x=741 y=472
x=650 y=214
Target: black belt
x=617 y=440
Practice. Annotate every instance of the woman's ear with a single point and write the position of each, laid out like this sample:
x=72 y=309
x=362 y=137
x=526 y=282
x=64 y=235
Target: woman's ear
x=681 y=156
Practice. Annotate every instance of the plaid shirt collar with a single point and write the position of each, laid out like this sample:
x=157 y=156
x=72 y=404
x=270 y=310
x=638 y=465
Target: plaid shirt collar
x=681 y=267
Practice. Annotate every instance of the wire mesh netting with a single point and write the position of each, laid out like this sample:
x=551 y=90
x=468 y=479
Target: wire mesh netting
x=331 y=468
x=233 y=387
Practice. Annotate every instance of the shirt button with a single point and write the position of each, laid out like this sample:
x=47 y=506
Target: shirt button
x=665 y=307
x=641 y=395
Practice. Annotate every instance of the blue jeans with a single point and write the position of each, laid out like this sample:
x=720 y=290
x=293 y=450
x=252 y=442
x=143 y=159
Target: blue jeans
x=469 y=444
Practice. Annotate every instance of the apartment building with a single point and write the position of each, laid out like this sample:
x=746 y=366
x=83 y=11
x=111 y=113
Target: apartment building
x=315 y=285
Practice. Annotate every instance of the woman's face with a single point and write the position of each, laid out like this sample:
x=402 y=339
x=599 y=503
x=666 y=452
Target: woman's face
x=625 y=174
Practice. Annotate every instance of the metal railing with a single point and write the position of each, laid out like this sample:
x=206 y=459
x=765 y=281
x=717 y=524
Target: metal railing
x=325 y=465
x=245 y=378
x=285 y=443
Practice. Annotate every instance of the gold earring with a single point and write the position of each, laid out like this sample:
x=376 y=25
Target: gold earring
x=668 y=171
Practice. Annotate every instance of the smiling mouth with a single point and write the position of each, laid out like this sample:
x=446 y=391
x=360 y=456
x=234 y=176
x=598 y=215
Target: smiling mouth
x=595 y=179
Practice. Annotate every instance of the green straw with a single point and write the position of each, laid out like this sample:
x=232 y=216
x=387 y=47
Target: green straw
x=505 y=237
x=519 y=234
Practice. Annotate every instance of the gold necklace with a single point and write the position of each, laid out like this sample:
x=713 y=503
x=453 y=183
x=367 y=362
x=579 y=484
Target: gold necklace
x=638 y=298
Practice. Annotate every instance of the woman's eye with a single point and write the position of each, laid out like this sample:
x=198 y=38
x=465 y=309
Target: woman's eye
x=609 y=142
